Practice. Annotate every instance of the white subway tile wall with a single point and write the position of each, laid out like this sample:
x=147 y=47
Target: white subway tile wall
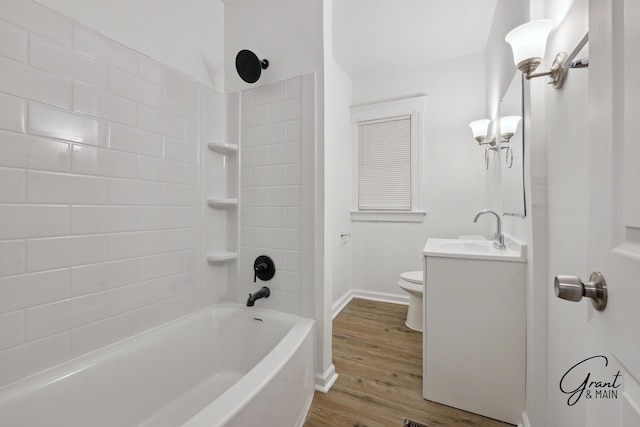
x=99 y=190
x=270 y=194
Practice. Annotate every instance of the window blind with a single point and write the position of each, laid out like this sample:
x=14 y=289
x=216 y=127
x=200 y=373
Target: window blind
x=384 y=164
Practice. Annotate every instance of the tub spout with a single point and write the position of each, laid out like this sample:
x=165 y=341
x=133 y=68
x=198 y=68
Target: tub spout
x=262 y=293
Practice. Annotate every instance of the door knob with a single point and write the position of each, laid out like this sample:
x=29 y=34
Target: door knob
x=571 y=288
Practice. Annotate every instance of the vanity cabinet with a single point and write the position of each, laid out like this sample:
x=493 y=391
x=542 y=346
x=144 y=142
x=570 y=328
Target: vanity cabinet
x=475 y=335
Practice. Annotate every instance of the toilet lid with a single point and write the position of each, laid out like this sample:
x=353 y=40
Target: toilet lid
x=412 y=276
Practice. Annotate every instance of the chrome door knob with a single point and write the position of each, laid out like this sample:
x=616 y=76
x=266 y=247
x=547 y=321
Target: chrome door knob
x=571 y=288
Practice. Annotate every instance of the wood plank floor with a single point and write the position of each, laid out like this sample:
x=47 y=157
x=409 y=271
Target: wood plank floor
x=379 y=362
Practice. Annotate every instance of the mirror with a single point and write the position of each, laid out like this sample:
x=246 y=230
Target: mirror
x=512 y=152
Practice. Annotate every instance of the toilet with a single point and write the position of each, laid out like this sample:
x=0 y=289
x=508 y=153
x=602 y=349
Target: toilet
x=412 y=282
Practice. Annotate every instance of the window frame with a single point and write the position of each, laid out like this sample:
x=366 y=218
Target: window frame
x=413 y=107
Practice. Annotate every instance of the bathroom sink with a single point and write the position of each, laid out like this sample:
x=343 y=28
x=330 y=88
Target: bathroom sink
x=465 y=247
x=475 y=249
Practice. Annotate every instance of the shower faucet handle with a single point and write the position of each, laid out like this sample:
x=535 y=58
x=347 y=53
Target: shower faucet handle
x=258 y=268
x=263 y=268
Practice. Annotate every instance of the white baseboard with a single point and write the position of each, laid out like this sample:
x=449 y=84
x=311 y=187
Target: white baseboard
x=325 y=380
x=339 y=305
x=525 y=420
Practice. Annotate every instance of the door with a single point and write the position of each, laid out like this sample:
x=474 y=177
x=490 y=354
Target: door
x=613 y=335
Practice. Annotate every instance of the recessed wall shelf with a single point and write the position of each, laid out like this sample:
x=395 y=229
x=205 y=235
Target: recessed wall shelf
x=219 y=257
x=223 y=148
x=219 y=203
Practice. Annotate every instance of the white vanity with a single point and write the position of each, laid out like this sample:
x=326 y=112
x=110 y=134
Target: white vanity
x=474 y=326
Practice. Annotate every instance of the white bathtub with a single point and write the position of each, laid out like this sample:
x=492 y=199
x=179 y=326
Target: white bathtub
x=227 y=365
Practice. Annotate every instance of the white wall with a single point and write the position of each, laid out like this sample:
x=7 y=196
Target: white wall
x=289 y=33
x=279 y=211
x=533 y=228
x=566 y=112
x=160 y=30
x=500 y=70
x=498 y=58
x=537 y=252
x=271 y=192
x=338 y=179
x=453 y=188
x=338 y=169
x=99 y=191
x=555 y=334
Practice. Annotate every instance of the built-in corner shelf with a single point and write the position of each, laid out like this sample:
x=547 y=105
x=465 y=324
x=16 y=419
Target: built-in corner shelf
x=220 y=203
x=223 y=147
x=220 y=257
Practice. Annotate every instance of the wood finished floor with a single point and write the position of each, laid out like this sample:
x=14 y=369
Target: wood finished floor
x=379 y=362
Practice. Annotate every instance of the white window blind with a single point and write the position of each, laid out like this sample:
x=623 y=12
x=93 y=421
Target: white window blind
x=384 y=164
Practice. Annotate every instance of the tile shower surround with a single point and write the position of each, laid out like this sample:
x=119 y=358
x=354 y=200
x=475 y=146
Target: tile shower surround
x=270 y=193
x=99 y=191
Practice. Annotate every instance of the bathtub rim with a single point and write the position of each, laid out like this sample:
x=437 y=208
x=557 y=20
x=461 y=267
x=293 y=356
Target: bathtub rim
x=85 y=361
x=236 y=396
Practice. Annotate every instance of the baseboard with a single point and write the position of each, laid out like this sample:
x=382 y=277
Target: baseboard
x=339 y=305
x=381 y=296
x=325 y=380
x=525 y=420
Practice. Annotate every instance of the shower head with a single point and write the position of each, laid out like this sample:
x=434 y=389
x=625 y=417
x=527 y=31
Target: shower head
x=249 y=66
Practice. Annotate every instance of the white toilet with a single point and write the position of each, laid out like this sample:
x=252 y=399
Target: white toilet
x=412 y=282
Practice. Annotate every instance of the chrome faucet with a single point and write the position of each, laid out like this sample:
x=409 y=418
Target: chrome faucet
x=498 y=242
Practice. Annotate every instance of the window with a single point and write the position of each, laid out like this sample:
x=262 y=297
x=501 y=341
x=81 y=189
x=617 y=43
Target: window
x=384 y=164
x=387 y=157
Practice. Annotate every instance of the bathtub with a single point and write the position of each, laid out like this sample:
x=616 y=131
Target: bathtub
x=227 y=365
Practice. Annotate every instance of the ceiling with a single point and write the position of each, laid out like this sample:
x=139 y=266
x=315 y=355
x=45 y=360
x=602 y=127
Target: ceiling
x=374 y=35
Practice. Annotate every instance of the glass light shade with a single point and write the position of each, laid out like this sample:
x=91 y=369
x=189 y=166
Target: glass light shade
x=479 y=128
x=529 y=40
x=509 y=124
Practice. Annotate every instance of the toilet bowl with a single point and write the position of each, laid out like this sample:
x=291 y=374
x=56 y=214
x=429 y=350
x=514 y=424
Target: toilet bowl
x=412 y=283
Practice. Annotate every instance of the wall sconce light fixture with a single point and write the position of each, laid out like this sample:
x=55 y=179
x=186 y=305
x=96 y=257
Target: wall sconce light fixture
x=480 y=129
x=528 y=42
x=508 y=128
